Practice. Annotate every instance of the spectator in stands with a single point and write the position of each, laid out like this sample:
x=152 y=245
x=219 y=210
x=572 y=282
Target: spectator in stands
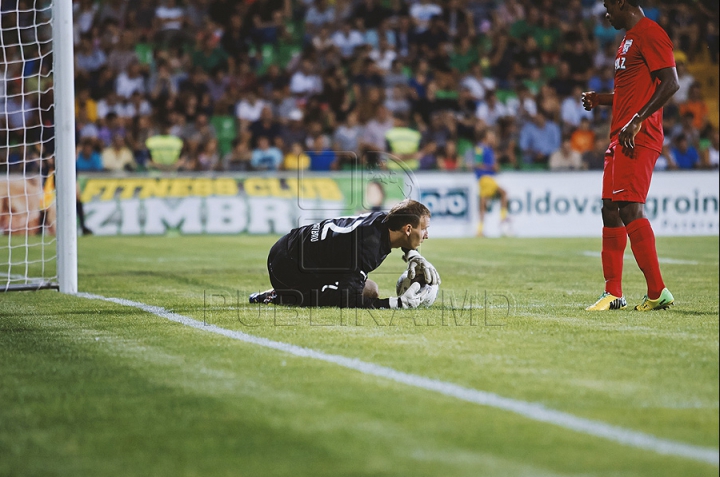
x=372 y=13
x=130 y=81
x=294 y=129
x=683 y=155
x=347 y=135
x=695 y=104
x=397 y=101
x=322 y=157
x=572 y=111
x=565 y=158
x=403 y=143
x=448 y=158
x=427 y=157
x=123 y=54
x=249 y=108
x=523 y=106
x=265 y=126
x=88 y=159
x=209 y=156
x=375 y=130
x=305 y=81
x=319 y=15
x=296 y=159
x=117 y=156
x=563 y=83
x=477 y=83
x=594 y=159
x=710 y=156
x=582 y=139
x=208 y=54
x=686 y=127
x=538 y=139
x=110 y=127
x=490 y=110
x=422 y=12
x=169 y=20
x=89 y=58
x=347 y=39
x=685 y=80
x=238 y=159
x=84 y=101
x=165 y=150
x=266 y=157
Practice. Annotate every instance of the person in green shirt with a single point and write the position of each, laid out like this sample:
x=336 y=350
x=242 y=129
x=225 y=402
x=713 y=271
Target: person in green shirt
x=464 y=56
x=209 y=55
x=165 y=150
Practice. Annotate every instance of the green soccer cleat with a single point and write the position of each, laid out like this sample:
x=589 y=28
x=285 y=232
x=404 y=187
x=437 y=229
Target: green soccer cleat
x=608 y=302
x=665 y=300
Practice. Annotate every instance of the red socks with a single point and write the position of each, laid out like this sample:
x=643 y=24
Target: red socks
x=642 y=242
x=614 y=240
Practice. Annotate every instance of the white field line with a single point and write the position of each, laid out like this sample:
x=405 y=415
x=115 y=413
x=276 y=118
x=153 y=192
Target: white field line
x=660 y=259
x=531 y=410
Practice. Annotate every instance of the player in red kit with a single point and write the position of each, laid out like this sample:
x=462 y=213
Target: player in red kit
x=645 y=79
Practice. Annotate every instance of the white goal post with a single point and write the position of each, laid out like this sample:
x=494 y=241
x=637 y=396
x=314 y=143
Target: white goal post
x=38 y=231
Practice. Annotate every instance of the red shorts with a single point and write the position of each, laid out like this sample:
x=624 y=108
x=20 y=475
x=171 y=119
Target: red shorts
x=626 y=178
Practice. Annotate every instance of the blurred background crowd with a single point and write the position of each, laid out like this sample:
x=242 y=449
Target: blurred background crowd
x=230 y=85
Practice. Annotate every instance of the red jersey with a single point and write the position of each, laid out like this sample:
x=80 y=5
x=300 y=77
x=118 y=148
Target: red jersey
x=645 y=48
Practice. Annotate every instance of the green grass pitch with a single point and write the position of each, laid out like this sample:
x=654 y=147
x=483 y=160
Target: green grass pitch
x=94 y=388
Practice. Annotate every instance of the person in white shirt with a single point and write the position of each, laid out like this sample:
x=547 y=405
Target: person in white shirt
x=117 y=156
x=347 y=39
x=710 y=157
x=169 y=15
x=565 y=158
x=522 y=106
x=131 y=81
x=422 y=12
x=491 y=109
x=384 y=55
x=685 y=80
x=249 y=108
x=476 y=83
x=305 y=81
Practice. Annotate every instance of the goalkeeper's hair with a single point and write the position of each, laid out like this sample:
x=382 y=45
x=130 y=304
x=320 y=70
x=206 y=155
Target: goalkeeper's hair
x=406 y=212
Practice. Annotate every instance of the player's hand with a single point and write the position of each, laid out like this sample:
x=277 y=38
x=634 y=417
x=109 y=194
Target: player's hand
x=418 y=265
x=590 y=100
x=412 y=298
x=626 y=138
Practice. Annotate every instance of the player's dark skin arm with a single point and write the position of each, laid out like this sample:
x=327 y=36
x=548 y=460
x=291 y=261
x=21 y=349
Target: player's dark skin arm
x=619 y=214
x=664 y=91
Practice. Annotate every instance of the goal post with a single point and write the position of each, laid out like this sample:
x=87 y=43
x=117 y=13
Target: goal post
x=38 y=231
x=63 y=66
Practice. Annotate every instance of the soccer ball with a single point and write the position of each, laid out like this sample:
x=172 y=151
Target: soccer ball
x=404 y=283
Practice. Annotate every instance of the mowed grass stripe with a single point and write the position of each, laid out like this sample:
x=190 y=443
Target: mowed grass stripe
x=530 y=410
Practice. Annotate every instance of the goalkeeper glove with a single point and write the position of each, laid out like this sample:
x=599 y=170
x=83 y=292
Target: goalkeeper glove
x=418 y=264
x=412 y=298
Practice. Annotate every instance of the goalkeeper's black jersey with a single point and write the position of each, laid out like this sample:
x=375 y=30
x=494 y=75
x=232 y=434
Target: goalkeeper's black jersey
x=352 y=245
x=340 y=251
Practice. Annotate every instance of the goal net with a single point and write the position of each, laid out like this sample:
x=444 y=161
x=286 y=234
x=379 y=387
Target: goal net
x=30 y=240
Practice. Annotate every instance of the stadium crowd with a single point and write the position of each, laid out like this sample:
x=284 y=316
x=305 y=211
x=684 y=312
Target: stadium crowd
x=225 y=85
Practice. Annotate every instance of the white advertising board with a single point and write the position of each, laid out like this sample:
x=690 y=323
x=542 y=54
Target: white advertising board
x=567 y=204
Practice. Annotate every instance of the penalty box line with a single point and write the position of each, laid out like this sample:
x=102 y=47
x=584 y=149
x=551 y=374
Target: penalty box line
x=531 y=410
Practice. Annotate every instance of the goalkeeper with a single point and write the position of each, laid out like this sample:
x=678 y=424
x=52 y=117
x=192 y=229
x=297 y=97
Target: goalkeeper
x=327 y=263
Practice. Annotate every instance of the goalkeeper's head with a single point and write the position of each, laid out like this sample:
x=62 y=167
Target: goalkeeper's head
x=408 y=223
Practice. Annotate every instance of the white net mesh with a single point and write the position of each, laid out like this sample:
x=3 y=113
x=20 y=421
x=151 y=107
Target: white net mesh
x=27 y=196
